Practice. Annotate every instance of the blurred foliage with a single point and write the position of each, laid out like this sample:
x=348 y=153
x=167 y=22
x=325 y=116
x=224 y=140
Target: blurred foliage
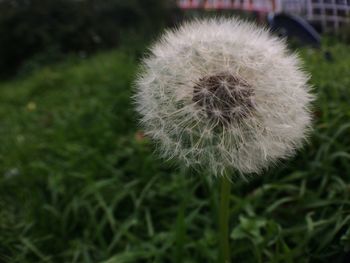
x=79 y=182
x=43 y=30
x=344 y=34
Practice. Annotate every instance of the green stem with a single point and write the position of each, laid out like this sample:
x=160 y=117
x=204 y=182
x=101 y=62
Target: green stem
x=224 y=247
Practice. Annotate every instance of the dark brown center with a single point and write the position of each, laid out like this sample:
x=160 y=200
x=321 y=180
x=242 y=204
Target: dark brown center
x=224 y=97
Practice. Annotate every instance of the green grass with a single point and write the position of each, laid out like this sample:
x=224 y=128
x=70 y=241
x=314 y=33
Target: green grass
x=79 y=184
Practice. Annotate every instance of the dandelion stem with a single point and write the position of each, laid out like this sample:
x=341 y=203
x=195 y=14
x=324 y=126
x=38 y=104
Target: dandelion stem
x=224 y=247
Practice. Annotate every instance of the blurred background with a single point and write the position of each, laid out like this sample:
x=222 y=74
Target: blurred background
x=78 y=179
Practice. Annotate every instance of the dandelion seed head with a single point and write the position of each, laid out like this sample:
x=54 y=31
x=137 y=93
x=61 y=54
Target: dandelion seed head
x=225 y=95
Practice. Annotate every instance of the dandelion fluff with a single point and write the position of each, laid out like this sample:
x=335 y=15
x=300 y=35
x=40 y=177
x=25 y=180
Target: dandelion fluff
x=225 y=95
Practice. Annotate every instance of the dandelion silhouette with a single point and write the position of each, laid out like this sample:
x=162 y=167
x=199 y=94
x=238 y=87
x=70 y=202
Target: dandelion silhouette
x=226 y=95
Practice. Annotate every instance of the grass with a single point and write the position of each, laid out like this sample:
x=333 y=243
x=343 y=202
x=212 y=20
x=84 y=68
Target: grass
x=79 y=182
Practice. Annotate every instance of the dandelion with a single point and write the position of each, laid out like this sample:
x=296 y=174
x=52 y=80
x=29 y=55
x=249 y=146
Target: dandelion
x=31 y=106
x=225 y=95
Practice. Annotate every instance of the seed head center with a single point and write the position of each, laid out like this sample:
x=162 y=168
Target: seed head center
x=224 y=97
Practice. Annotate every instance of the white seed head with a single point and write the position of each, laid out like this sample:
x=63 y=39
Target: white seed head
x=225 y=95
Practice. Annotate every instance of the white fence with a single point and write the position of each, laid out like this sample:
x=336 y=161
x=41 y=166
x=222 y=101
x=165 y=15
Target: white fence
x=330 y=14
